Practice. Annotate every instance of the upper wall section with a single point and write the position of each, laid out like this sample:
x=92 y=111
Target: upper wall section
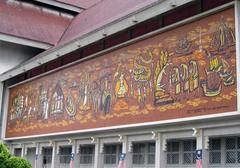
x=31 y=22
x=169 y=76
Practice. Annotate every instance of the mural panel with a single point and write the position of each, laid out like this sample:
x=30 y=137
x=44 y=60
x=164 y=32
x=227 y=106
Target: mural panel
x=188 y=71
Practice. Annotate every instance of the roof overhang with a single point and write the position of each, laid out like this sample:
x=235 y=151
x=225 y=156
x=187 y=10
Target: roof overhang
x=62 y=5
x=23 y=41
x=118 y=25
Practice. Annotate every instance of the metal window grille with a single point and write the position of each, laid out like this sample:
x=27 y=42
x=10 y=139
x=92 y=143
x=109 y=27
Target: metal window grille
x=173 y=152
x=215 y=151
x=232 y=154
x=47 y=155
x=18 y=152
x=110 y=154
x=138 y=153
x=189 y=154
x=151 y=153
x=86 y=154
x=65 y=154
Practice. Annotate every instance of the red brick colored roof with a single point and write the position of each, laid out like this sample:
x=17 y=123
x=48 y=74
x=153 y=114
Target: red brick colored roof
x=31 y=23
x=80 y=3
x=101 y=14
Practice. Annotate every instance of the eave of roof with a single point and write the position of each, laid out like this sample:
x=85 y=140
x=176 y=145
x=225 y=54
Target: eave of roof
x=80 y=3
x=32 y=23
x=64 y=5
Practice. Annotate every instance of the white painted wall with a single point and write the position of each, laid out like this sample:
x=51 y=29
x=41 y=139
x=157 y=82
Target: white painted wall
x=12 y=55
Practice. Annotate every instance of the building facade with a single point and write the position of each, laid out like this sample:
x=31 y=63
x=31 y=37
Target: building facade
x=150 y=84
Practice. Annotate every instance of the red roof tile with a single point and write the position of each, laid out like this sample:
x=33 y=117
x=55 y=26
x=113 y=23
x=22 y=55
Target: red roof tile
x=104 y=12
x=31 y=23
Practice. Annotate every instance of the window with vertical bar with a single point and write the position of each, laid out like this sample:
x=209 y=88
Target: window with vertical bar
x=232 y=155
x=189 y=154
x=110 y=154
x=65 y=154
x=47 y=155
x=86 y=154
x=151 y=153
x=173 y=152
x=18 y=152
x=138 y=153
x=215 y=151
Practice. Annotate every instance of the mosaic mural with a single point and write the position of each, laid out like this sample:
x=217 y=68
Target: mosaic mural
x=184 y=72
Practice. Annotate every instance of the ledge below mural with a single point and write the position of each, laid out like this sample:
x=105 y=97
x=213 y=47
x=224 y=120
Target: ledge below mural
x=184 y=72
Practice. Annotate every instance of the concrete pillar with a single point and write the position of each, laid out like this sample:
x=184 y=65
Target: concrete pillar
x=202 y=145
x=160 y=151
x=55 y=156
x=24 y=151
x=75 y=152
x=39 y=161
x=127 y=149
x=1 y=110
x=98 y=158
x=36 y=161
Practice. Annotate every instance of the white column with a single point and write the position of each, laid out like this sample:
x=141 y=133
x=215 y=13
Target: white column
x=160 y=151
x=55 y=157
x=127 y=149
x=24 y=151
x=237 y=32
x=201 y=145
x=75 y=152
x=3 y=109
x=39 y=160
x=98 y=158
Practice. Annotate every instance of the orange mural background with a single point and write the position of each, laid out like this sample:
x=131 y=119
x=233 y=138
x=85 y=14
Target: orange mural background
x=184 y=72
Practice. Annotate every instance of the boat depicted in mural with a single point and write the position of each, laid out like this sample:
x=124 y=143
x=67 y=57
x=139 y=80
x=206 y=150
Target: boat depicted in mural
x=167 y=76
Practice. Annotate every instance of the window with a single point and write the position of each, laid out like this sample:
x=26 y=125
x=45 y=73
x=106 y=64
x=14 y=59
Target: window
x=189 y=154
x=86 y=154
x=232 y=150
x=47 y=155
x=173 y=152
x=215 y=151
x=138 y=153
x=151 y=153
x=18 y=152
x=65 y=154
x=144 y=153
x=112 y=153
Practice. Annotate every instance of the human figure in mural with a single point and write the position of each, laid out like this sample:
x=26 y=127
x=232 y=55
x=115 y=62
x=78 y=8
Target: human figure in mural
x=84 y=93
x=70 y=105
x=43 y=102
x=142 y=76
x=96 y=97
x=161 y=78
x=18 y=106
x=106 y=97
x=57 y=101
x=121 y=88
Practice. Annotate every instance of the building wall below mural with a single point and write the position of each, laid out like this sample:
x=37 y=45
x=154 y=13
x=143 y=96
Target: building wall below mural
x=184 y=72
